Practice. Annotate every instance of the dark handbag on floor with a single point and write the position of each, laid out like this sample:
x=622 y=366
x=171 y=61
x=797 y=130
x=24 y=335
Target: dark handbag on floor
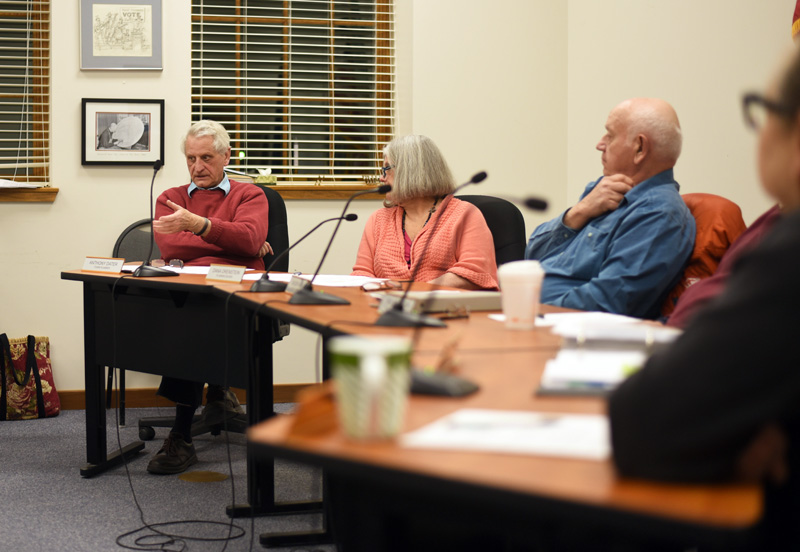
x=28 y=389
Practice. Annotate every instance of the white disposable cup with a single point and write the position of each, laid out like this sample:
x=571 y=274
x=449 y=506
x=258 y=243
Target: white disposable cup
x=372 y=384
x=521 y=285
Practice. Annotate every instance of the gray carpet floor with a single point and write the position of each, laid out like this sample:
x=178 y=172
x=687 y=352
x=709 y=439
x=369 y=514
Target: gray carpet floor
x=46 y=505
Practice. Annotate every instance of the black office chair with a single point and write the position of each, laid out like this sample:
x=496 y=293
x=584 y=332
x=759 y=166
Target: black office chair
x=506 y=223
x=133 y=244
x=278 y=231
x=278 y=238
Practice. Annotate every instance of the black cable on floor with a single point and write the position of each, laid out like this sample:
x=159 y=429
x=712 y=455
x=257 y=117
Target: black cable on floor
x=162 y=540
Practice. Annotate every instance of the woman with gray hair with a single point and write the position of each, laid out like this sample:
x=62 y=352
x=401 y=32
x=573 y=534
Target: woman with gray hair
x=461 y=254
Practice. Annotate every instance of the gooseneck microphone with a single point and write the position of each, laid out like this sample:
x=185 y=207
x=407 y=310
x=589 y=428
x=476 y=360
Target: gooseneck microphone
x=145 y=270
x=535 y=204
x=306 y=295
x=531 y=203
x=264 y=284
x=396 y=316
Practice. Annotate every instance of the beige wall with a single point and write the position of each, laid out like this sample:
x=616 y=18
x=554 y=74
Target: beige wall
x=700 y=55
x=530 y=119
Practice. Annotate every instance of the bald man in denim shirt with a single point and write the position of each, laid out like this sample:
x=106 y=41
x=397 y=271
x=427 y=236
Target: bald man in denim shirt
x=623 y=246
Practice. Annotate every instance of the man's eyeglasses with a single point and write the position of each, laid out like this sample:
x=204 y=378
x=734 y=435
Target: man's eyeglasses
x=756 y=108
x=385 y=169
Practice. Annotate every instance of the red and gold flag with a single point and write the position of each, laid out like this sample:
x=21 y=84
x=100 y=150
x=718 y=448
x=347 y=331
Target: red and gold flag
x=796 y=21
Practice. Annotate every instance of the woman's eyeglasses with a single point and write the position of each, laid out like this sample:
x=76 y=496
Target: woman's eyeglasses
x=380 y=286
x=385 y=169
x=756 y=108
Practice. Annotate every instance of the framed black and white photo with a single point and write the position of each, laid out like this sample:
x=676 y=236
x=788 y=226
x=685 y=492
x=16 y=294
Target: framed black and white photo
x=121 y=34
x=122 y=132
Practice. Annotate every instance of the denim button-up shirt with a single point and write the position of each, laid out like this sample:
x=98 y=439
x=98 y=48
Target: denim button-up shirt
x=624 y=261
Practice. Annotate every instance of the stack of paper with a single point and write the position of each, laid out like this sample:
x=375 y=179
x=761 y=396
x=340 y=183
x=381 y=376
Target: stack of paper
x=601 y=350
x=588 y=371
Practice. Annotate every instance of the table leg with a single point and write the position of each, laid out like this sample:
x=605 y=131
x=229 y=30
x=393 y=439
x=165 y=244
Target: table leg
x=260 y=406
x=97 y=457
x=306 y=538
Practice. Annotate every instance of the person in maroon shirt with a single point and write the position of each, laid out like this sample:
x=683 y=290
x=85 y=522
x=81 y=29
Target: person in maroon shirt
x=210 y=220
x=722 y=403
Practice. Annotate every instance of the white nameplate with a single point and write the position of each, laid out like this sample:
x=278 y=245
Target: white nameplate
x=226 y=273
x=103 y=264
x=296 y=284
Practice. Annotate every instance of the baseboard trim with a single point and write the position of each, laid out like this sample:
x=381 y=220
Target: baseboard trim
x=147 y=398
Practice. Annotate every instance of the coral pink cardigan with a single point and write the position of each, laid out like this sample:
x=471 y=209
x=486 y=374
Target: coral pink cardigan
x=462 y=245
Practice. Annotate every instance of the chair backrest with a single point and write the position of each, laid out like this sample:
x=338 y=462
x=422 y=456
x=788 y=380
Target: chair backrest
x=133 y=244
x=719 y=222
x=506 y=223
x=278 y=229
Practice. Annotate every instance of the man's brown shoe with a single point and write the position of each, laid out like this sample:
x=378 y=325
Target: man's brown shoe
x=174 y=456
x=220 y=408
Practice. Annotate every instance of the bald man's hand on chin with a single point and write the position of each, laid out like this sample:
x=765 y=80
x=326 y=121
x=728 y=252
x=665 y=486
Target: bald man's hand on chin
x=606 y=196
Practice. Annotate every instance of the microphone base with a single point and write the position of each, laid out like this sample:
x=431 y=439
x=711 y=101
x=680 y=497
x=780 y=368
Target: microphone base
x=308 y=297
x=267 y=285
x=147 y=271
x=403 y=319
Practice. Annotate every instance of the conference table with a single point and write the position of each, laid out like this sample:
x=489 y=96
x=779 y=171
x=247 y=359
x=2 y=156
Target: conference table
x=384 y=496
x=380 y=492
x=184 y=327
x=189 y=327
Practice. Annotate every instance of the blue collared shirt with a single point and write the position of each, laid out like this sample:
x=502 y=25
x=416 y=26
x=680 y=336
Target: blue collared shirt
x=224 y=185
x=624 y=261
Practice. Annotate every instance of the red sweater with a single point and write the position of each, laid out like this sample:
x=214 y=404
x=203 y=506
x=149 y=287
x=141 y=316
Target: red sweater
x=463 y=246
x=238 y=226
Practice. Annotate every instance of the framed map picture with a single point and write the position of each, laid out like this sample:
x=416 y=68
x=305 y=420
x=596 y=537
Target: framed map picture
x=122 y=132
x=121 y=34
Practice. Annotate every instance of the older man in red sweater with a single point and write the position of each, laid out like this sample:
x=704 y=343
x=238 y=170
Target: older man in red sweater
x=210 y=220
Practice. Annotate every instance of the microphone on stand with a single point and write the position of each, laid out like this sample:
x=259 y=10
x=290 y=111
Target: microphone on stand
x=535 y=204
x=145 y=270
x=305 y=295
x=531 y=203
x=265 y=284
x=396 y=316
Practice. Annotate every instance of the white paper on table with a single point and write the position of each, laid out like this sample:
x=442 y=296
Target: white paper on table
x=574 y=319
x=274 y=277
x=567 y=319
x=189 y=270
x=322 y=279
x=332 y=280
x=603 y=326
x=255 y=276
x=644 y=334
x=516 y=432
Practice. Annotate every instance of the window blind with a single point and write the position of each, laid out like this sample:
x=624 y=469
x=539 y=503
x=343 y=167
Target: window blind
x=25 y=90
x=305 y=87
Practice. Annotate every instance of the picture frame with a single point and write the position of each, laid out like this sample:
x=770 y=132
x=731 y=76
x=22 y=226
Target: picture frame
x=122 y=132
x=121 y=35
